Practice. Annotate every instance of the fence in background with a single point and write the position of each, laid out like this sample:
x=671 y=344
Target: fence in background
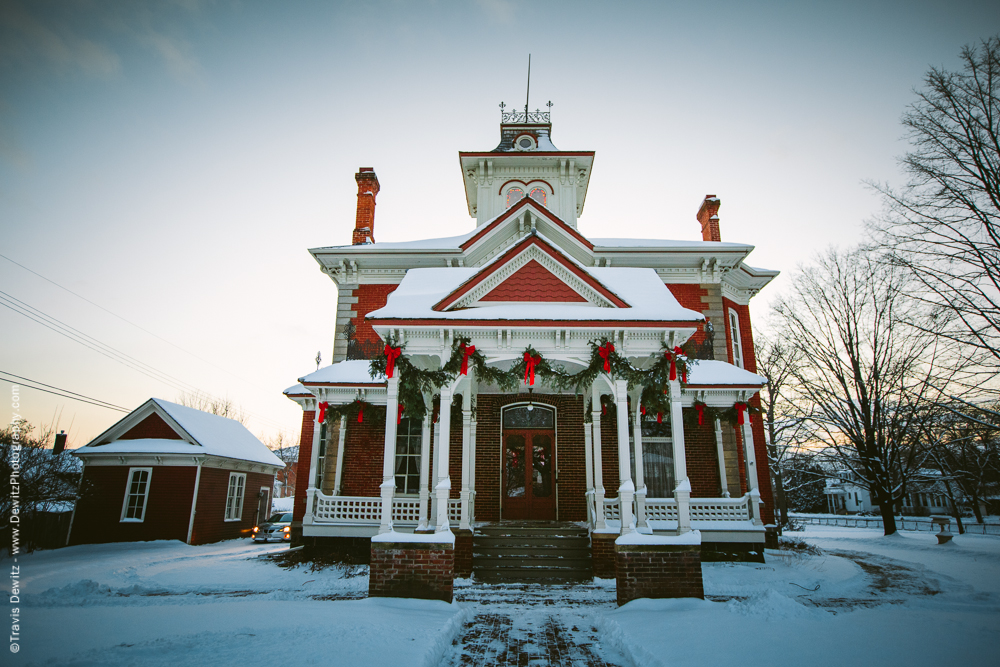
x=902 y=523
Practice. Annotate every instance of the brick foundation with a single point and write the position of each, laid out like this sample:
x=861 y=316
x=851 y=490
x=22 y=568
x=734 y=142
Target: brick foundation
x=602 y=547
x=658 y=571
x=412 y=570
x=463 y=553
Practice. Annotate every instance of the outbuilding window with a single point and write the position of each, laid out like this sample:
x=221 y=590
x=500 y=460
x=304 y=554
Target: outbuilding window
x=136 y=494
x=234 y=498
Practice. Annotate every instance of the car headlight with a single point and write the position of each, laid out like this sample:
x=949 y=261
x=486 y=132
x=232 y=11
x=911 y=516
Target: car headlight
x=288 y=529
x=256 y=528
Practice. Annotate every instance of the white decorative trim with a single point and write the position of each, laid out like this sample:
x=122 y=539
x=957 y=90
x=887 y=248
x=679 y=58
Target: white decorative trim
x=532 y=252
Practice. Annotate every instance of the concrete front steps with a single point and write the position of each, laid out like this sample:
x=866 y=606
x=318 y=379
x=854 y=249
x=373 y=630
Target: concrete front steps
x=531 y=552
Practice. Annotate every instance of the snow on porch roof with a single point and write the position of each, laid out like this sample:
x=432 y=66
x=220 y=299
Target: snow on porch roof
x=354 y=371
x=650 y=299
x=213 y=435
x=710 y=373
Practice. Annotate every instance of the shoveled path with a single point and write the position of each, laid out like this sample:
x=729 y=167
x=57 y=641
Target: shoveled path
x=533 y=624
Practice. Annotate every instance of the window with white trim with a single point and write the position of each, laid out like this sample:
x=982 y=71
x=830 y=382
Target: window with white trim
x=136 y=494
x=734 y=327
x=234 y=497
x=408 y=436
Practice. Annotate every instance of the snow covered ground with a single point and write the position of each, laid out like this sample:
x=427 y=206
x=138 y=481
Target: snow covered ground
x=861 y=599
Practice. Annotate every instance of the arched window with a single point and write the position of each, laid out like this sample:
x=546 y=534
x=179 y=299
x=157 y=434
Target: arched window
x=538 y=195
x=734 y=329
x=514 y=195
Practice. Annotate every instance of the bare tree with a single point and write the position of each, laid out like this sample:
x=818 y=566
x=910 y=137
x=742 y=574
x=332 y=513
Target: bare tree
x=777 y=361
x=942 y=227
x=224 y=407
x=864 y=373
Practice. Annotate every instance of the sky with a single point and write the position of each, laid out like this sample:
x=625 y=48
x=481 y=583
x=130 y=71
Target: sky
x=165 y=166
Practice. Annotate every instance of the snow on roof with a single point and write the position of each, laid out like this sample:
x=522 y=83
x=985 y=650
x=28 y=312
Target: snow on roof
x=667 y=243
x=649 y=298
x=444 y=243
x=355 y=371
x=297 y=390
x=214 y=435
x=710 y=372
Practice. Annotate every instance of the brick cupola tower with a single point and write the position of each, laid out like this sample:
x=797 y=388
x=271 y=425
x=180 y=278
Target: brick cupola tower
x=364 y=224
x=708 y=216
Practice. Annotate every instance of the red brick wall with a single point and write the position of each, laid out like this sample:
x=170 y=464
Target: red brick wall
x=570 y=461
x=152 y=426
x=302 y=467
x=210 y=523
x=667 y=572
x=609 y=453
x=364 y=449
x=533 y=282
x=370 y=297
x=410 y=571
x=463 y=553
x=689 y=296
x=602 y=546
x=168 y=506
x=702 y=457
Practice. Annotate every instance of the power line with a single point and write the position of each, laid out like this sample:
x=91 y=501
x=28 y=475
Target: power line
x=126 y=321
x=20 y=381
x=77 y=336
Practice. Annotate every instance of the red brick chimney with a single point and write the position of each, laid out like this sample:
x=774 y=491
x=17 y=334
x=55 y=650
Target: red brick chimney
x=364 y=224
x=708 y=216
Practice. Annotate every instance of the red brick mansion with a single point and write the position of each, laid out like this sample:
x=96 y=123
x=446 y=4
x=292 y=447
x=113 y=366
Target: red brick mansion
x=529 y=384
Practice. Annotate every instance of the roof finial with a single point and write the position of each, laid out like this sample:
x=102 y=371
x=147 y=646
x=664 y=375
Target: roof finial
x=528 y=91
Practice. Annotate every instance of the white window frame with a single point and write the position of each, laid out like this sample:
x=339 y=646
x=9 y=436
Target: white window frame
x=235 y=501
x=410 y=437
x=128 y=494
x=737 y=341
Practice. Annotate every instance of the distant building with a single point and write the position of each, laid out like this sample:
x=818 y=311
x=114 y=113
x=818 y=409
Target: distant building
x=170 y=472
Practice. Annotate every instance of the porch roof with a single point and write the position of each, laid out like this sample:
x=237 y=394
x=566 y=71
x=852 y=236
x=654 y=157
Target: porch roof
x=351 y=372
x=711 y=373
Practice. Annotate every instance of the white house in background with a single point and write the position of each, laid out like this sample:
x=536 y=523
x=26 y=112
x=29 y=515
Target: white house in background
x=845 y=496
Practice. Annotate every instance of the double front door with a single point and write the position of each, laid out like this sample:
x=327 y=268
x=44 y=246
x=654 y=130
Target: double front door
x=529 y=474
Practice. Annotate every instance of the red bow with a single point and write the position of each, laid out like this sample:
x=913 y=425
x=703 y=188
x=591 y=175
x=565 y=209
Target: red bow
x=391 y=354
x=604 y=409
x=700 y=407
x=529 y=367
x=659 y=417
x=361 y=413
x=642 y=409
x=740 y=407
x=321 y=417
x=605 y=352
x=466 y=352
x=673 y=361
x=399 y=415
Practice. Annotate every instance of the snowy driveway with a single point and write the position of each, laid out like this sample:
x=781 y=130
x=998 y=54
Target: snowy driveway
x=860 y=599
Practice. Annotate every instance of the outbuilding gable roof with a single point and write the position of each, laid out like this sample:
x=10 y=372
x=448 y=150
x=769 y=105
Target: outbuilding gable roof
x=200 y=433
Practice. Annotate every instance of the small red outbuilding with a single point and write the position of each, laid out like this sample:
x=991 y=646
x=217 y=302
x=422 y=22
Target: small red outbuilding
x=170 y=472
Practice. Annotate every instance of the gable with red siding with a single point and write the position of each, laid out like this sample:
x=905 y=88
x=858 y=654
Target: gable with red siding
x=533 y=282
x=152 y=426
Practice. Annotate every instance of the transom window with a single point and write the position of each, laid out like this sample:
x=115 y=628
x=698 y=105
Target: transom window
x=539 y=195
x=136 y=494
x=514 y=195
x=408 y=456
x=523 y=416
x=234 y=497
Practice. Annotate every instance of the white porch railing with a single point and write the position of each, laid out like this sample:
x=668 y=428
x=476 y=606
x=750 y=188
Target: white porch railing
x=702 y=509
x=362 y=510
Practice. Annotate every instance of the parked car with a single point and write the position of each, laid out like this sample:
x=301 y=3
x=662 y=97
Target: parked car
x=278 y=527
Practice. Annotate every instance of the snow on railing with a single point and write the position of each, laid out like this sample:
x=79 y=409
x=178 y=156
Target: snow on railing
x=702 y=509
x=365 y=510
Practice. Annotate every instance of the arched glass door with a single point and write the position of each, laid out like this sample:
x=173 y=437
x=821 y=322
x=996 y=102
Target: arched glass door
x=529 y=489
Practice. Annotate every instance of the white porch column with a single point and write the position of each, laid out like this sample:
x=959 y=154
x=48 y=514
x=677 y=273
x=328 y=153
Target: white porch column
x=752 y=481
x=313 y=466
x=435 y=474
x=595 y=424
x=425 y=470
x=443 y=487
x=472 y=467
x=339 y=475
x=722 y=459
x=626 y=488
x=464 y=494
x=640 y=482
x=683 y=491
x=588 y=464
x=388 y=487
